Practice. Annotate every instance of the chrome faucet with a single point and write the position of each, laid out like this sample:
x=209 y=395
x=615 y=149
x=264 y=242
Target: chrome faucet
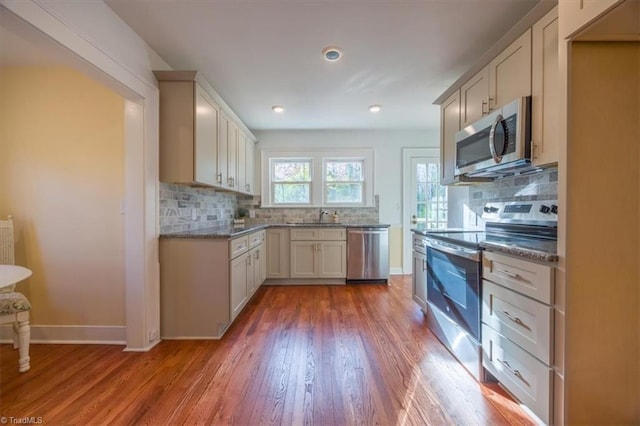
x=322 y=213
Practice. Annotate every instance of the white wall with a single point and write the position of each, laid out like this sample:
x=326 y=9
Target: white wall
x=388 y=155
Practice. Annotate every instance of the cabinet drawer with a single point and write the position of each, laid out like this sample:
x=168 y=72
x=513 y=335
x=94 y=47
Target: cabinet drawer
x=523 y=320
x=237 y=246
x=319 y=234
x=525 y=377
x=256 y=239
x=532 y=279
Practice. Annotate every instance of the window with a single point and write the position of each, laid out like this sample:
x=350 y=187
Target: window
x=431 y=201
x=344 y=181
x=310 y=177
x=291 y=181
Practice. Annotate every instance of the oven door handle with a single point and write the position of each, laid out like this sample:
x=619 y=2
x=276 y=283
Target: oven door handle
x=462 y=252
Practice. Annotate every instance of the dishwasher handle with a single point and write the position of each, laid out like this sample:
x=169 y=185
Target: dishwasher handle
x=367 y=231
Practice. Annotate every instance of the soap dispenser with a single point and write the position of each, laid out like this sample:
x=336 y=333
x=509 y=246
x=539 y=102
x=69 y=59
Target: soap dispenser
x=335 y=218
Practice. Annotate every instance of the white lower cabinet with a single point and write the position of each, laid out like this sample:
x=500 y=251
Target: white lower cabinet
x=206 y=282
x=526 y=377
x=318 y=253
x=239 y=281
x=517 y=329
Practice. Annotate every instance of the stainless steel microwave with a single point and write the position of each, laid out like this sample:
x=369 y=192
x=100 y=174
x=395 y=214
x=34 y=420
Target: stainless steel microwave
x=498 y=144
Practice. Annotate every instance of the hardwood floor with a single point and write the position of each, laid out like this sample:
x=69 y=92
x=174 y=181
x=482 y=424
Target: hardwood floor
x=308 y=355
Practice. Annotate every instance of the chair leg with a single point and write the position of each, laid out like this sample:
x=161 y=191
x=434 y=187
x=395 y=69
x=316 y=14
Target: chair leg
x=24 y=335
x=16 y=344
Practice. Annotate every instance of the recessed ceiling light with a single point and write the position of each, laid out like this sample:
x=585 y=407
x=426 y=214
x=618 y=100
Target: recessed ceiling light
x=375 y=108
x=331 y=53
x=278 y=108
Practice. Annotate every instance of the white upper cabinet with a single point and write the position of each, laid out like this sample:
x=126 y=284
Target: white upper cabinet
x=189 y=120
x=507 y=77
x=449 y=126
x=250 y=175
x=200 y=144
x=245 y=163
x=545 y=90
x=474 y=98
x=510 y=73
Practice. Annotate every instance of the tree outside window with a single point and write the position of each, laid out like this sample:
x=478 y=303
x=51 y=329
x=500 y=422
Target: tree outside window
x=344 y=181
x=291 y=181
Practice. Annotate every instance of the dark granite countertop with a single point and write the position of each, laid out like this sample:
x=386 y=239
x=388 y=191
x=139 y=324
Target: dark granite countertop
x=527 y=248
x=543 y=252
x=233 y=232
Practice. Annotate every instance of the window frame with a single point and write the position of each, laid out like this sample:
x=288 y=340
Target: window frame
x=272 y=182
x=326 y=183
x=319 y=158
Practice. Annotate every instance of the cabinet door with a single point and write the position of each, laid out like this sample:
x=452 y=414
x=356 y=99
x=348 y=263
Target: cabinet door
x=510 y=72
x=259 y=267
x=252 y=278
x=241 y=170
x=238 y=284
x=332 y=259
x=277 y=264
x=263 y=264
x=206 y=138
x=223 y=151
x=419 y=280
x=474 y=98
x=232 y=154
x=545 y=90
x=449 y=125
x=249 y=166
x=304 y=259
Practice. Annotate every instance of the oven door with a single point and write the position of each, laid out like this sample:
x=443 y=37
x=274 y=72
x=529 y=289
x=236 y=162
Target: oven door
x=453 y=284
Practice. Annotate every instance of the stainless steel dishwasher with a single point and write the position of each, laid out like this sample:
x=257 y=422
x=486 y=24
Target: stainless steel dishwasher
x=368 y=254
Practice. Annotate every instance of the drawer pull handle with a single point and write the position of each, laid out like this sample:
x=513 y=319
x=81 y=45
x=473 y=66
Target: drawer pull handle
x=516 y=320
x=508 y=273
x=513 y=371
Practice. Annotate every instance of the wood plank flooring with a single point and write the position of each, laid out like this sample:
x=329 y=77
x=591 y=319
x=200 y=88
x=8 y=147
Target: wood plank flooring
x=308 y=355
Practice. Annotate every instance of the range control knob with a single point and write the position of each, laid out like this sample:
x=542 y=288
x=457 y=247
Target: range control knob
x=489 y=209
x=545 y=209
x=554 y=209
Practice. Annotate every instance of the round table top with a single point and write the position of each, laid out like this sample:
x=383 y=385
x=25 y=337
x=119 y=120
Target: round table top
x=11 y=274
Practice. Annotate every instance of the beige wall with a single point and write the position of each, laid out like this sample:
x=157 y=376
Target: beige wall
x=62 y=177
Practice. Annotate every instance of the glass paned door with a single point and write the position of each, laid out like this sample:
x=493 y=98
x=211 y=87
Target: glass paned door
x=429 y=198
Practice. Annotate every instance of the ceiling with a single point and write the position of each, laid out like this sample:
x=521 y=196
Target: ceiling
x=401 y=54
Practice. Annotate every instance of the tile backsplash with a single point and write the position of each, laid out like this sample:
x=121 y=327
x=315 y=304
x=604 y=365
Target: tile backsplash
x=350 y=215
x=184 y=208
x=535 y=186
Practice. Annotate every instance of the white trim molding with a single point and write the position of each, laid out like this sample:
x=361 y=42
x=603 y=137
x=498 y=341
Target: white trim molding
x=90 y=45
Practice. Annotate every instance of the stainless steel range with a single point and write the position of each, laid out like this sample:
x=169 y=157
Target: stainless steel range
x=454 y=271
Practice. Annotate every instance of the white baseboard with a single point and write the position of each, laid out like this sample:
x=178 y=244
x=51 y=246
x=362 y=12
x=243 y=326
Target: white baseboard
x=145 y=349
x=396 y=270
x=84 y=334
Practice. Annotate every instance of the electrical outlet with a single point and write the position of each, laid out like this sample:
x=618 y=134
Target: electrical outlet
x=252 y=214
x=194 y=214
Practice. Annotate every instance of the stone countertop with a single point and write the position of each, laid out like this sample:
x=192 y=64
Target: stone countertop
x=233 y=232
x=544 y=253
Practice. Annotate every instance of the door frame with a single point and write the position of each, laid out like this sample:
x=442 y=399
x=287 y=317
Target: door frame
x=141 y=135
x=407 y=155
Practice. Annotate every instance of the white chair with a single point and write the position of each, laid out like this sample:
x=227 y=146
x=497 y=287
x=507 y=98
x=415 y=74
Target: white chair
x=14 y=306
